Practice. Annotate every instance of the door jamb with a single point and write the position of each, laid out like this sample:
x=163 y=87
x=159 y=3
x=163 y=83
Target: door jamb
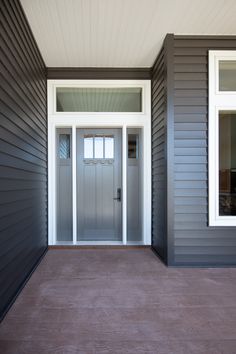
x=74 y=185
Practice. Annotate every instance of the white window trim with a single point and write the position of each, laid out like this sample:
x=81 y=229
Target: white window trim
x=100 y=120
x=218 y=100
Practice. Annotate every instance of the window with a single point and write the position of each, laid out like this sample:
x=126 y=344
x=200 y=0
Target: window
x=64 y=146
x=98 y=147
x=88 y=147
x=97 y=99
x=227 y=75
x=109 y=147
x=222 y=138
x=227 y=162
x=132 y=146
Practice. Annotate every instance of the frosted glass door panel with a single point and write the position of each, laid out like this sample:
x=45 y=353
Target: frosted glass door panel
x=109 y=147
x=98 y=147
x=88 y=147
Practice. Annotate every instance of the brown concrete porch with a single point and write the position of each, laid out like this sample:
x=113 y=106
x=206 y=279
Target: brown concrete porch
x=122 y=301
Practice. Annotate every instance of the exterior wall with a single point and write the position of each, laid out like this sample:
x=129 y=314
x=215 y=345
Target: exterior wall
x=194 y=241
x=159 y=167
x=23 y=152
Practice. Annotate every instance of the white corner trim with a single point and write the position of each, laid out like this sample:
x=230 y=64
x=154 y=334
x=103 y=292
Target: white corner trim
x=124 y=184
x=74 y=186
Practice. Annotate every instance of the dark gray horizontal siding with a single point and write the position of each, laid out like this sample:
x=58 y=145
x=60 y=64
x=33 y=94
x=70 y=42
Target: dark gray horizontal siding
x=159 y=228
x=194 y=241
x=23 y=152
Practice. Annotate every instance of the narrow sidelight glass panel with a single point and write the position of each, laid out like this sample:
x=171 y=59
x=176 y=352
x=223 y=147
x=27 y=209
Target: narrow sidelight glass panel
x=88 y=147
x=109 y=147
x=97 y=99
x=98 y=147
x=227 y=163
x=132 y=146
x=227 y=75
x=134 y=185
x=64 y=146
x=64 y=185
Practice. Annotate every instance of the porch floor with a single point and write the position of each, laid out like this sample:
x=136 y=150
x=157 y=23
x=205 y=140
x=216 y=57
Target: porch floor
x=122 y=301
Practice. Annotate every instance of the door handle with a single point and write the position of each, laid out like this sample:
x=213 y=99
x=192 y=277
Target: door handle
x=118 y=195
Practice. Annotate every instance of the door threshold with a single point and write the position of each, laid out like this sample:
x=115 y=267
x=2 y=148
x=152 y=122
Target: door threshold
x=98 y=244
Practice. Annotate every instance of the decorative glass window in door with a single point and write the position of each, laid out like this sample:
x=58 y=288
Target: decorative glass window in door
x=98 y=147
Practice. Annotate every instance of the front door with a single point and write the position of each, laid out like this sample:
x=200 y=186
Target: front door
x=99 y=189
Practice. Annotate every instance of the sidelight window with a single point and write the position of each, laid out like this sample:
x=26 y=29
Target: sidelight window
x=132 y=146
x=222 y=138
x=64 y=146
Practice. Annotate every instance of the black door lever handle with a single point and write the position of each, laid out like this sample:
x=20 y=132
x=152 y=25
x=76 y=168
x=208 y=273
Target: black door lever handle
x=118 y=193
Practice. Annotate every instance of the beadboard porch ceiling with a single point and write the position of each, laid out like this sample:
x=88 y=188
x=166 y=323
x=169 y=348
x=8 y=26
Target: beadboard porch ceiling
x=120 y=33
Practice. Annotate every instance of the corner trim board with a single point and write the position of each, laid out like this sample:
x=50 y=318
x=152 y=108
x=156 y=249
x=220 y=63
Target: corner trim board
x=169 y=60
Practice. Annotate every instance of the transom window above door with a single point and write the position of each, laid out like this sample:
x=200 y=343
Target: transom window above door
x=99 y=147
x=99 y=99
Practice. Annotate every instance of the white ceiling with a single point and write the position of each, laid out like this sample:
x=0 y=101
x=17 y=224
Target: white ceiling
x=120 y=33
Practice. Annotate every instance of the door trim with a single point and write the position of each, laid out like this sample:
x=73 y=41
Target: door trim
x=98 y=120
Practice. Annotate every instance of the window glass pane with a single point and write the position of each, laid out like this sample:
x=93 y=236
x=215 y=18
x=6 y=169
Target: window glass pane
x=98 y=147
x=132 y=146
x=227 y=163
x=227 y=75
x=96 y=99
x=109 y=147
x=88 y=147
x=64 y=146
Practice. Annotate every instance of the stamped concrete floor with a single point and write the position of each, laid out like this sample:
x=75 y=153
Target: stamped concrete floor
x=110 y=301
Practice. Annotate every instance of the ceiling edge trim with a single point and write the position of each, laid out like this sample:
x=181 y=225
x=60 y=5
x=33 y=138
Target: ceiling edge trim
x=63 y=73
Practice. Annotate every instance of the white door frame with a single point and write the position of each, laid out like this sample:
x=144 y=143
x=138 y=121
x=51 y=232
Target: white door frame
x=76 y=120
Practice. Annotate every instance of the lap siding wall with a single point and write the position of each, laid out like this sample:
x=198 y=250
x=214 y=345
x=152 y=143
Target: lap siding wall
x=159 y=168
x=194 y=242
x=180 y=231
x=23 y=152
